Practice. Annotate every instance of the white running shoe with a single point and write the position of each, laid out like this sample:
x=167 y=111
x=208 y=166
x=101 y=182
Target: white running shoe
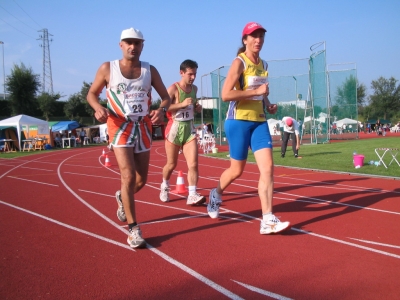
x=120 y=211
x=273 y=225
x=135 y=239
x=195 y=199
x=164 y=190
x=213 y=205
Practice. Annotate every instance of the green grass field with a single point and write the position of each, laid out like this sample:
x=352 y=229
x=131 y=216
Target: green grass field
x=338 y=156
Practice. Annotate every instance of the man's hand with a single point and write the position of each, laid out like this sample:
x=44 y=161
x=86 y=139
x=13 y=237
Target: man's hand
x=101 y=114
x=272 y=109
x=187 y=102
x=157 y=116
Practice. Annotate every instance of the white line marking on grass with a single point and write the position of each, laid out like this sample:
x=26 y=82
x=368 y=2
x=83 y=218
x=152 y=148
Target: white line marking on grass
x=346 y=243
x=262 y=292
x=69 y=226
x=33 y=181
x=375 y=243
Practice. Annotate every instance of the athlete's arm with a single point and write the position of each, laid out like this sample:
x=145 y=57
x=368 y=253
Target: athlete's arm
x=157 y=116
x=228 y=90
x=100 y=81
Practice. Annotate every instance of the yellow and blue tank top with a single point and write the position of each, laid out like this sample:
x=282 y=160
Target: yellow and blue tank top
x=252 y=77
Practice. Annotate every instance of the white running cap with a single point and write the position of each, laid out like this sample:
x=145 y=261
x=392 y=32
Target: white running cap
x=132 y=33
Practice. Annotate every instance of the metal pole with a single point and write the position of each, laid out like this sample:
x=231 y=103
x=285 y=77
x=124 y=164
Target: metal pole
x=295 y=89
x=4 y=73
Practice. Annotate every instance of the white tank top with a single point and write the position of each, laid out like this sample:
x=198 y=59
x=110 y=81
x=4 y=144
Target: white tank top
x=129 y=98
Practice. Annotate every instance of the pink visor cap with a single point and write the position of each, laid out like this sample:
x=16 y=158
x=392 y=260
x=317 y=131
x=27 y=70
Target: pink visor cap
x=251 y=27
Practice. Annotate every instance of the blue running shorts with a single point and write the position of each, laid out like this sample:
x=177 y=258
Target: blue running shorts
x=243 y=134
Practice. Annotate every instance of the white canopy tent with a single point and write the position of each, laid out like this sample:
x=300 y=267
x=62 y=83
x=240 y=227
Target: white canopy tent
x=24 y=120
x=346 y=121
x=272 y=124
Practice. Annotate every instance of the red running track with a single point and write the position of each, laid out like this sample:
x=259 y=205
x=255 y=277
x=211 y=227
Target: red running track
x=61 y=239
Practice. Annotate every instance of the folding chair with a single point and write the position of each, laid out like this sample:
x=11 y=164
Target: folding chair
x=393 y=152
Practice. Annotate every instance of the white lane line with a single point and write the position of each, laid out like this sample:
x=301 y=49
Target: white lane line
x=24 y=163
x=69 y=226
x=33 y=181
x=85 y=166
x=198 y=276
x=172 y=207
x=346 y=243
x=89 y=175
x=262 y=292
x=37 y=169
x=169 y=259
x=308 y=199
x=376 y=243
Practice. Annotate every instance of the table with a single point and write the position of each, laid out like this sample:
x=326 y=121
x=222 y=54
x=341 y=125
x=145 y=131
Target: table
x=69 y=142
x=40 y=142
x=8 y=145
x=392 y=151
x=28 y=145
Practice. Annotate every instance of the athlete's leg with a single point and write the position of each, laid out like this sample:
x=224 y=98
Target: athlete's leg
x=190 y=152
x=142 y=169
x=127 y=167
x=172 y=152
x=266 y=182
x=234 y=171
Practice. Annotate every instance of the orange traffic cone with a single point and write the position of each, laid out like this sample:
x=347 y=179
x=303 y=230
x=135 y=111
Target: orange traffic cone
x=180 y=185
x=107 y=162
x=104 y=153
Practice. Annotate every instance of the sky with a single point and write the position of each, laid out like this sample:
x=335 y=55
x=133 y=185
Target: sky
x=86 y=33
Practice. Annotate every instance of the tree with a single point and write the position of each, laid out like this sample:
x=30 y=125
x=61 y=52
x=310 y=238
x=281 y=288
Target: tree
x=47 y=103
x=346 y=98
x=385 y=100
x=73 y=106
x=22 y=86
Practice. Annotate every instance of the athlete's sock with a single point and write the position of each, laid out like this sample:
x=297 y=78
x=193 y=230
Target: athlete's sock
x=192 y=189
x=132 y=225
x=266 y=216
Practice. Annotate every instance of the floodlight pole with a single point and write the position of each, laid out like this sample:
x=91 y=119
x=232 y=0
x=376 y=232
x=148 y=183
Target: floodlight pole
x=4 y=74
x=295 y=88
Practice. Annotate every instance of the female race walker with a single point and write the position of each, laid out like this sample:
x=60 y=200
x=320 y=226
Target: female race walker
x=246 y=89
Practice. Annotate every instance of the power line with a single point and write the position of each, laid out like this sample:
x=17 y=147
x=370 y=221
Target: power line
x=17 y=29
x=17 y=18
x=27 y=14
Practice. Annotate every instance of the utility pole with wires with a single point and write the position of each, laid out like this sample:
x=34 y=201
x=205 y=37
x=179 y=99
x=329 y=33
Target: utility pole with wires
x=47 y=78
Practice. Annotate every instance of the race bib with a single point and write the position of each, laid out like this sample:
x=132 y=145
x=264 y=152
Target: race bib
x=136 y=103
x=184 y=114
x=253 y=82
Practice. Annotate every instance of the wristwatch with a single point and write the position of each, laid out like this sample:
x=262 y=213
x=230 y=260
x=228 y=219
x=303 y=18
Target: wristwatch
x=164 y=109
